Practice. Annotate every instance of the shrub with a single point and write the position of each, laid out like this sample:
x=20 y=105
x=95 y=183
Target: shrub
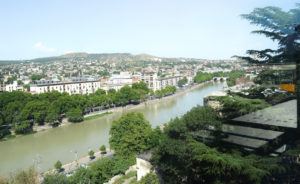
x=91 y=154
x=58 y=166
x=103 y=149
x=75 y=115
x=23 y=127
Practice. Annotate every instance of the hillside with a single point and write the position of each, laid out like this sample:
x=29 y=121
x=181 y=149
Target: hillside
x=103 y=57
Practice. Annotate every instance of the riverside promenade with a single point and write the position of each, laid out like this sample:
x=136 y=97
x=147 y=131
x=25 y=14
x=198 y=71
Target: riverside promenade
x=69 y=168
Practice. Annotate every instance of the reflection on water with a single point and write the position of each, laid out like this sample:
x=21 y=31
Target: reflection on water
x=45 y=148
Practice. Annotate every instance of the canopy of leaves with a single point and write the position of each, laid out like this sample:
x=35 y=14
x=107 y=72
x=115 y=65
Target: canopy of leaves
x=182 y=82
x=102 y=170
x=55 y=179
x=75 y=115
x=188 y=161
x=233 y=106
x=279 y=26
x=130 y=134
x=181 y=158
x=150 y=178
x=20 y=110
x=197 y=119
x=232 y=76
x=168 y=90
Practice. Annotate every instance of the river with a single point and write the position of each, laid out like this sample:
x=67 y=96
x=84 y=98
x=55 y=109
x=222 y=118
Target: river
x=44 y=148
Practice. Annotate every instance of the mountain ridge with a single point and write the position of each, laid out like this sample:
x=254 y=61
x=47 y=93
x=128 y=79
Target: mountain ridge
x=103 y=57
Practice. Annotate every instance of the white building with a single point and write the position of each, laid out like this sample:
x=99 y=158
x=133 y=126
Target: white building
x=82 y=86
x=117 y=81
x=157 y=83
x=13 y=87
x=116 y=87
x=124 y=78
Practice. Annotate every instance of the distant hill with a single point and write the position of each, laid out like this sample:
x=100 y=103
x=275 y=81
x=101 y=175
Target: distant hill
x=82 y=56
x=103 y=57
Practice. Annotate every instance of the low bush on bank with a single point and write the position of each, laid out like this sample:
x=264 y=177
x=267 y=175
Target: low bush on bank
x=28 y=176
x=234 y=106
x=98 y=172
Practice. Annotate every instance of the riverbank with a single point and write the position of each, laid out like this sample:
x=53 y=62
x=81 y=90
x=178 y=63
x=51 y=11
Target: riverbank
x=99 y=114
x=57 y=143
x=69 y=168
x=152 y=101
x=87 y=117
x=84 y=160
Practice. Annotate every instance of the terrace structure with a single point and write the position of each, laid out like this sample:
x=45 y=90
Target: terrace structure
x=265 y=131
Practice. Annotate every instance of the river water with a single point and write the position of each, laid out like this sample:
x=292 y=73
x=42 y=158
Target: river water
x=43 y=149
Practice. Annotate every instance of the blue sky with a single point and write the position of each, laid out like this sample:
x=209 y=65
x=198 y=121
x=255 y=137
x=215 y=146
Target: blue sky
x=168 y=28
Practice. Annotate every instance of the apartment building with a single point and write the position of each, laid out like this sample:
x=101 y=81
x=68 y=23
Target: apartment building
x=74 y=86
x=157 y=83
x=13 y=87
x=124 y=78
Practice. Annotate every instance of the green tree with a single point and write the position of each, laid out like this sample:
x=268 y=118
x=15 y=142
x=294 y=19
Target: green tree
x=188 y=161
x=282 y=27
x=35 y=110
x=130 y=134
x=23 y=127
x=150 y=178
x=84 y=176
x=53 y=116
x=141 y=85
x=182 y=82
x=103 y=73
x=279 y=26
x=11 y=111
x=91 y=154
x=35 y=77
x=11 y=79
x=55 y=179
x=58 y=166
x=100 y=92
x=75 y=115
x=102 y=149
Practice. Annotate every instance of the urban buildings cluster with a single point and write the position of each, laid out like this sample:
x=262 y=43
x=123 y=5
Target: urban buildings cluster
x=84 y=75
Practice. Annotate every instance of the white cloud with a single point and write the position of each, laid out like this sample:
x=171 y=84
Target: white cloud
x=43 y=48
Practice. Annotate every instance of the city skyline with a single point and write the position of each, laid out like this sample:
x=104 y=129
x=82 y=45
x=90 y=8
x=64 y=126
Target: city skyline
x=161 y=28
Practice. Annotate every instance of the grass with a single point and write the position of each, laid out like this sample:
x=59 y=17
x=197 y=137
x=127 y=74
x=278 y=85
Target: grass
x=125 y=177
x=96 y=116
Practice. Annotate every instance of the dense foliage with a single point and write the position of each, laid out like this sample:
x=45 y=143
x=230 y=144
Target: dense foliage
x=58 y=166
x=19 y=111
x=130 y=134
x=98 y=172
x=182 y=82
x=233 y=106
x=279 y=26
x=232 y=76
x=75 y=115
x=150 y=178
x=168 y=90
x=55 y=179
x=283 y=27
x=197 y=119
x=181 y=158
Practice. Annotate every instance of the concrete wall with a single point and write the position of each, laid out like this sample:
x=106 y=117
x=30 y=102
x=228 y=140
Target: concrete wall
x=143 y=168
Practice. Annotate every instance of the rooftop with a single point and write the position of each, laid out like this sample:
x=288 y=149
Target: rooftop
x=281 y=115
